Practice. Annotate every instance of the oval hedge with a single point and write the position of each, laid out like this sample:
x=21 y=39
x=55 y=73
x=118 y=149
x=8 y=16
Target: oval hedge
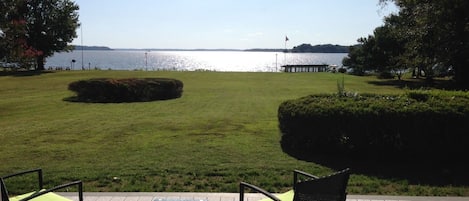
x=415 y=124
x=108 y=90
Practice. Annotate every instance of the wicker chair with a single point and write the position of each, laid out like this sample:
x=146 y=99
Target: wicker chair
x=313 y=188
x=39 y=194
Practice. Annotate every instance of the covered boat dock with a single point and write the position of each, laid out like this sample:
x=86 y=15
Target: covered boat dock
x=305 y=68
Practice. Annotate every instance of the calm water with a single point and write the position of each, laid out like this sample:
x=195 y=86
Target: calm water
x=189 y=60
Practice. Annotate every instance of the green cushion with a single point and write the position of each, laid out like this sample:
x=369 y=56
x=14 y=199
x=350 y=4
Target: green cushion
x=287 y=196
x=45 y=197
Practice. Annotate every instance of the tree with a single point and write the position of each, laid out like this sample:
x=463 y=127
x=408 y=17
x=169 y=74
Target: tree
x=49 y=26
x=438 y=34
x=18 y=50
x=381 y=52
x=14 y=47
x=359 y=56
x=3 y=52
x=9 y=27
x=388 y=52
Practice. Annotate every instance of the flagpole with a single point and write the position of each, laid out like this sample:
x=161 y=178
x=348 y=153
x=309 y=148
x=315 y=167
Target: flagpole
x=286 y=39
x=82 y=59
x=285 y=52
x=276 y=62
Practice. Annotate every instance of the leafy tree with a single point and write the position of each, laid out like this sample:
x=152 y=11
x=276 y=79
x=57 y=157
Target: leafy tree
x=8 y=19
x=437 y=33
x=380 y=52
x=49 y=26
x=358 y=57
x=389 y=48
x=16 y=45
x=3 y=52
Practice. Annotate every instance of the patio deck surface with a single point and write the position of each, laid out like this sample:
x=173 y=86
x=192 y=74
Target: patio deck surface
x=156 y=196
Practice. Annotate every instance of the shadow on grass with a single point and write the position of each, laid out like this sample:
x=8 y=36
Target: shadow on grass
x=418 y=84
x=433 y=171
x=76 y=99
x=24 y=73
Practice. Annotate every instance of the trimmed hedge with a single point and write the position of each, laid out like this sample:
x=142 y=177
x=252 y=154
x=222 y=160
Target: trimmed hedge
x=421 y=124
x=107 y=90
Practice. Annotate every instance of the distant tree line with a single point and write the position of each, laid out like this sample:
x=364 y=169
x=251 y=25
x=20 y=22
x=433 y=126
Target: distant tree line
x=430 y=38
x=327 y=48
x=79 y=47
x=32 y=30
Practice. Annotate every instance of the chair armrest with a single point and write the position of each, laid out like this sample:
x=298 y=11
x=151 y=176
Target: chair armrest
x=243 y=185
x=297 y=173
x=39 y=174
x=39 y=193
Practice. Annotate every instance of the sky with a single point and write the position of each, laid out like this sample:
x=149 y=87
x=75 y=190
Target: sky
x=226 y=24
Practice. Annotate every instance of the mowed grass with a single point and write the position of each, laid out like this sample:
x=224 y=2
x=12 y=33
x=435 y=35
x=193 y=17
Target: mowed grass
x=222 y=130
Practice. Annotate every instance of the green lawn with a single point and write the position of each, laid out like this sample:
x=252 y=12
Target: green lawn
x=222 y=130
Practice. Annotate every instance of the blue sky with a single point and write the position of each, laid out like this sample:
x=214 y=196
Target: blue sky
x=237 y=24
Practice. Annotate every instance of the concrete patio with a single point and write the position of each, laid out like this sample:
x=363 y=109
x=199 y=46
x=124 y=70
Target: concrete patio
x=181 y=196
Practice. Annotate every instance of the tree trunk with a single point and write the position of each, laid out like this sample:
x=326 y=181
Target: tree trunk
x=40 y=63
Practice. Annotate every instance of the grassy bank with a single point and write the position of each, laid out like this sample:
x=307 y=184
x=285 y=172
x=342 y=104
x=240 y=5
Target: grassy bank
x=222 y=130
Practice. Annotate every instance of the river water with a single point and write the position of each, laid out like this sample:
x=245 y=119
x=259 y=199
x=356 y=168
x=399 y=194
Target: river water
x=226 y=61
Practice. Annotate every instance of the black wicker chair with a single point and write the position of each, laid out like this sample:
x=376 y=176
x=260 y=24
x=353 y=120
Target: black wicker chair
x=327 y=188
x=39 y=194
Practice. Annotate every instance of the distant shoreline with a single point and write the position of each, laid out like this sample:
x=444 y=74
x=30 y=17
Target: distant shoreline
x=312 y=49
x=79 y=47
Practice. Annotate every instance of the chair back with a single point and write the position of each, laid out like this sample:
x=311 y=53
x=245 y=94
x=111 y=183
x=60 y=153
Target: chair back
x=3 y=191
x=328 y=188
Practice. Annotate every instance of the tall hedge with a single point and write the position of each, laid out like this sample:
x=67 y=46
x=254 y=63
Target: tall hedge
x=108 y=90
x=419 y=124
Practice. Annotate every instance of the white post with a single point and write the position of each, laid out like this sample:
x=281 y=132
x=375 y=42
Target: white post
x=146 y=61
x=276 y=62
x=82 y=60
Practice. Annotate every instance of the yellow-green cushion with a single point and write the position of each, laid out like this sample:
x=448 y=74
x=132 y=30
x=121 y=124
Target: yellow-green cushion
x=45 y=197
x=287 y=196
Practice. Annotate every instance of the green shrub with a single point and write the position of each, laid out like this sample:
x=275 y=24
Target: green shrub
x=342 y=70
x=107 y=90
x=415 y=124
